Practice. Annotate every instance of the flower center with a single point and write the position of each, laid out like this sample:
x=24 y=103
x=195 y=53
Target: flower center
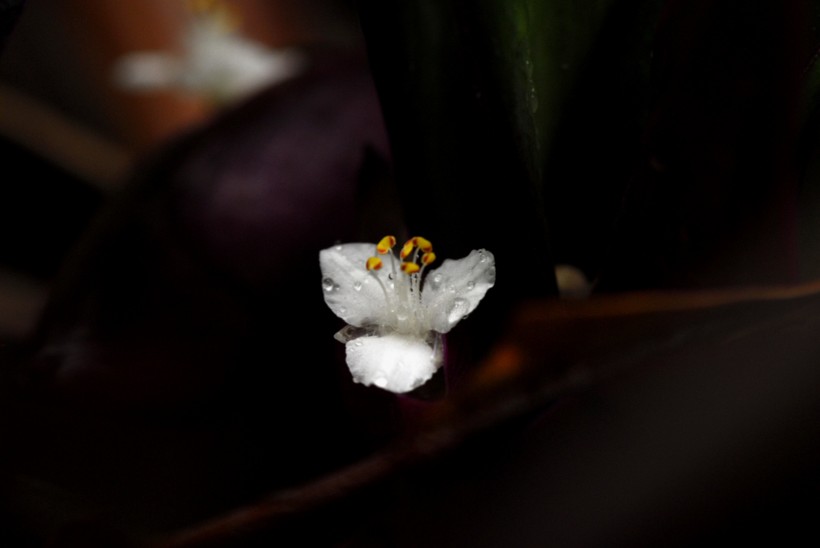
x=402 y=294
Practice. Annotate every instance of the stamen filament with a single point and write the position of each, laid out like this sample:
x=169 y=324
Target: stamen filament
x=404 y=296
x=384 y=289
x=426 y=259
x=393 y=266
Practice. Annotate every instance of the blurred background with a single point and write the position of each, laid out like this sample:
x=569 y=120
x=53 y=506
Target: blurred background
x=171 y=168
x=71 y=132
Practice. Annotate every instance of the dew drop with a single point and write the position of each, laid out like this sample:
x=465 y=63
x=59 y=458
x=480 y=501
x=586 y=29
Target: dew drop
x=381 y=382
x=483 y=258
x=357 y=343
x=470 y=285
x=458 y=311
x=328 y=285
x=342 y=310
x=357 y=286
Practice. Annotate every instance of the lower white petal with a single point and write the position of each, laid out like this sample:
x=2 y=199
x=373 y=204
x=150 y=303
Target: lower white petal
x=397 y=363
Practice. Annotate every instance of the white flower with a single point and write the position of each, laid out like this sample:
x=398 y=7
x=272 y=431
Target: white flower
x=396 y=315
x=216 y=61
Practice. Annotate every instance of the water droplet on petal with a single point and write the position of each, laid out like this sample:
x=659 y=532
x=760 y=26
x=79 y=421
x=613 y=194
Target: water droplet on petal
x=342 y=310
x=338 y=248
x=357 y=343
x=329 y=285
x=470 y=285
x=381 y=382
x=458 y=311
x=357 y=286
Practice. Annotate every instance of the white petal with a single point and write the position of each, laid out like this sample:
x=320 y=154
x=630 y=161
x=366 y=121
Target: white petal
x=454 y=289
x=147 y=71
x=397 y=363
x=233 y=67
x=350 y=290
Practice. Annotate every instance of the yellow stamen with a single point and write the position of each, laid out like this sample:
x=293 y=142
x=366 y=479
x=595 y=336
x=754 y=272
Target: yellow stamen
x=422 y=243
x=407 y=249
x=428 y=258
x=386 y=244
x=373 y=263
x=410 y=268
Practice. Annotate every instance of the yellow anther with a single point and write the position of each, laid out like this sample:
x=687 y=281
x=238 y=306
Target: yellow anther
x=410 y=268
x=407 y=249
x=373 y=263
x=386 y=244
x=428 y=258
x=423 y=244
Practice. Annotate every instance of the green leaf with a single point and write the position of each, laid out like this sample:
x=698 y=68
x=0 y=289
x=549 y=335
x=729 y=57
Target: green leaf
x=473 y=93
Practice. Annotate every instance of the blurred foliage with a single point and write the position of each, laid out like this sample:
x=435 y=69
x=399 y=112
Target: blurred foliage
x=647 y=142
x=36 y=232
x=650 y=142
x=9 y=12
x=808 y=151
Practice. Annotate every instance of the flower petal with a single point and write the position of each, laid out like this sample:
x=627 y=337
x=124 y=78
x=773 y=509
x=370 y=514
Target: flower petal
x=454 y=289
x=147 y=71
x=397 y=363
x=227 y=64
x=350 y=290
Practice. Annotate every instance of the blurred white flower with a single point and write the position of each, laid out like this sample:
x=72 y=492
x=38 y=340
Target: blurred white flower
x=572 y=282
x=396 y=315
x=216 y=61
